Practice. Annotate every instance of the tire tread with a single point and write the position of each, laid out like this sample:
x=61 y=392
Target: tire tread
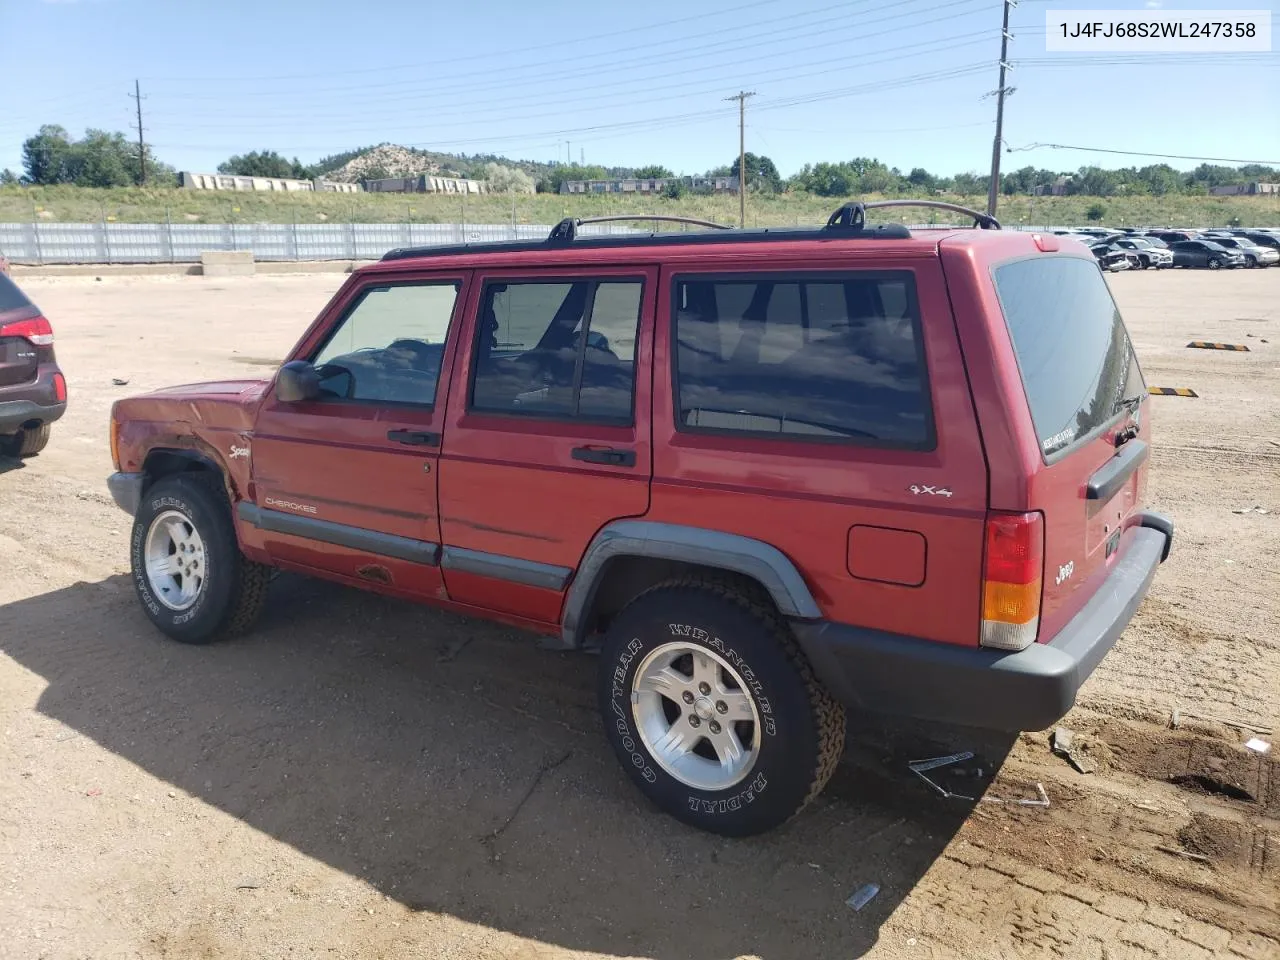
x=828 y=714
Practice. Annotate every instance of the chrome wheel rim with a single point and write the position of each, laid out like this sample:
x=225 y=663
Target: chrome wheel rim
x=174 y=556
x=695 y=716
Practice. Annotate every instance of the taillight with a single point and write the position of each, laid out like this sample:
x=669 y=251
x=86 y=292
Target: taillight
x=1011 y=574
x=38 y=331
x=59 y=388
x=115 y=441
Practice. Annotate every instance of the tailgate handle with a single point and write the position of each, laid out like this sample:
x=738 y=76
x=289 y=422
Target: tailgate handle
x=615 y=458
x=1110 y=477
x=415 y=438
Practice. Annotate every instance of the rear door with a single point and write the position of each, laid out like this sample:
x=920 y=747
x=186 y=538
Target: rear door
x=548 y=431
x=19 y=356
x=1085 y=394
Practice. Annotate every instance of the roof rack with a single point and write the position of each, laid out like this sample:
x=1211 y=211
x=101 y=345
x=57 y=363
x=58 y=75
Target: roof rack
x=850 y=222
x=567 y=229
x=853 y=215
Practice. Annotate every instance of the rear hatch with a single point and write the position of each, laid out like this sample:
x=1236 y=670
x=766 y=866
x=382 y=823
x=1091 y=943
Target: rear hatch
x=20 y=358
x=1086 y=395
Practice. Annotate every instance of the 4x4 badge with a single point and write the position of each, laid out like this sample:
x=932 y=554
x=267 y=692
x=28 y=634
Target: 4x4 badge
x=918 y=489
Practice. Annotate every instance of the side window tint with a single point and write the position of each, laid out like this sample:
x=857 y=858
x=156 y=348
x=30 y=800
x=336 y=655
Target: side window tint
x=835 y=358
x=390 y=347
x=557 y=349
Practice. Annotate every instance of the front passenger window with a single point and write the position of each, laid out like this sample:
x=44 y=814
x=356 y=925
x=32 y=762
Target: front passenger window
x=390 y=346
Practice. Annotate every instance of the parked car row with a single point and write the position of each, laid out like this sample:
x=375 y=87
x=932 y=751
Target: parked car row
x=1158 y=249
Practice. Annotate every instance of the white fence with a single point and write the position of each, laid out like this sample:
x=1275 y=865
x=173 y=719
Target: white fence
x=37 y=243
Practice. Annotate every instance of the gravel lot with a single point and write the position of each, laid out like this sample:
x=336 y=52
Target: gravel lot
x=363 y=778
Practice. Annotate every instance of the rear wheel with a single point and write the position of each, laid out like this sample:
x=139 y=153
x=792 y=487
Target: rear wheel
x=713 y=710
x=190 y=576
x=1215 y=264
x=25 y=443
x=1250 y=262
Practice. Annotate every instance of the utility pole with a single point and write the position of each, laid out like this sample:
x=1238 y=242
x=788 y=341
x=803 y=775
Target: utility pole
x=993 y=189
x=142 y=147
x=741 y=97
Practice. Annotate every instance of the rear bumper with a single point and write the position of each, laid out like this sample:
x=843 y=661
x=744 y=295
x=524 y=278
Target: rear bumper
x=126 y=490
x=973 y=686
x=15 y=413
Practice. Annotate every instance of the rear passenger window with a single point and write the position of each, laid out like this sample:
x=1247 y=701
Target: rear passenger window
x=834 y=357
x=558 y=349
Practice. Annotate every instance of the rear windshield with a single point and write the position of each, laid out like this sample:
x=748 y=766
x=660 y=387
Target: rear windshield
x=11 y=298
x=1077 y=364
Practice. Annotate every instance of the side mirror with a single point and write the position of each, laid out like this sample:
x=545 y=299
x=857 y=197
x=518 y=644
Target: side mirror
x=297 y=381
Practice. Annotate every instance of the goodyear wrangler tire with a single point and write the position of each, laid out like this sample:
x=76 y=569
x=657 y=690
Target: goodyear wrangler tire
x=713 y=710
x=189 y=574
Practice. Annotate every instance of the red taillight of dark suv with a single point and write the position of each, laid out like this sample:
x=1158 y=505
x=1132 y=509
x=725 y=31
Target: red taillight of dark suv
x=33 y=391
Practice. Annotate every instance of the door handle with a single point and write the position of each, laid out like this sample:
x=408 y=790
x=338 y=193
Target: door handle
x=615 y=458
x=415 y=438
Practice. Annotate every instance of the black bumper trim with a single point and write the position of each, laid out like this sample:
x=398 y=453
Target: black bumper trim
x=14 y=413
x=126 y=490
x=977 y=687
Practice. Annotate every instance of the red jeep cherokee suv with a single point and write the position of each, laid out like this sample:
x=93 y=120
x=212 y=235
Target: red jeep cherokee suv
x=767 y=473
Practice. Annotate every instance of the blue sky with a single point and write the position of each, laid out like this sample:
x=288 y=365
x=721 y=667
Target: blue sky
x=622 y=84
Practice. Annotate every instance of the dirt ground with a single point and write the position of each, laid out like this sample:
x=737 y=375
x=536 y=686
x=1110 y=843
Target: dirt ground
x=364 y=779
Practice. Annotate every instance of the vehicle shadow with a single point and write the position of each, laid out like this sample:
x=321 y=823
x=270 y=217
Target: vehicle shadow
x=10 y=463
x=458 y=769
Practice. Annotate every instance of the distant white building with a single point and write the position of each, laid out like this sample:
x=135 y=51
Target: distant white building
x=650 y=185
x=426 y=183
x=236 y=182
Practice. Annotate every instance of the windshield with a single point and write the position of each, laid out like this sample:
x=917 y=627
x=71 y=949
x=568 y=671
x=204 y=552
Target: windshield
x=1077 y=364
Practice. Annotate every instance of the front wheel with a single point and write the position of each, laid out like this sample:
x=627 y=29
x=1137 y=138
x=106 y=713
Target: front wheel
x=1250 y=262
x=1215 y=264
x=713 y=710
x=192 y=580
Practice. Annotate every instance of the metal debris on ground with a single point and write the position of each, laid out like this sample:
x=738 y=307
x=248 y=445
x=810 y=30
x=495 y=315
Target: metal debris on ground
x=1248 y=725
x=119 y=383
x=863 y=895
x=1172 y=392
x=1257 y=745
x=1254 y=509
x=1063 y=742
x=921 y=767
x=1198 y=857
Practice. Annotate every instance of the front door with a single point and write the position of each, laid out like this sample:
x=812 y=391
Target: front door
x=345 y=484
x=548 y=433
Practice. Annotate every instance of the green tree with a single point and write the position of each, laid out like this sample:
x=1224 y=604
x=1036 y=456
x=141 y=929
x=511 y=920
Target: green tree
x=1161 y=179
x=505 y=179
x=46 y=157
x=7 y=177
x=969 y=184
x=265 y=163
x=921 y=179
x=1095 y=212
x=561 y=172
x=654 y=171
x=762 y=174
x=674 y=190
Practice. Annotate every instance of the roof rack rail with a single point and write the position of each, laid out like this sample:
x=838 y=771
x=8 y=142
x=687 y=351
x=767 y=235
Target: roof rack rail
x=567 y=229
x=981 y=220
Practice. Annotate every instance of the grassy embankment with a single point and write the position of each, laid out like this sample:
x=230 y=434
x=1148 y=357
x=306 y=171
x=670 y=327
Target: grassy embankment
x=140 y=205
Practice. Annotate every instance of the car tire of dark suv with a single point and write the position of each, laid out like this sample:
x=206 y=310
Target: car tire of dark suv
x=26 y=443
x=193 y=581
x=713 y=710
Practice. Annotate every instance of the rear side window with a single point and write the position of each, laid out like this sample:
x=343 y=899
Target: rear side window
x=558 y=349
x=11 y=298
x=822 y=357
x=1073 y=351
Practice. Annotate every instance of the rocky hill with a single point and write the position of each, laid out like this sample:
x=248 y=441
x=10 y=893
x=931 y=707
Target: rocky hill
x=386 y=160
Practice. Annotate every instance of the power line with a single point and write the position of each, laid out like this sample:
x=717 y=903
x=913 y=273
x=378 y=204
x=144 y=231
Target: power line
x=501 y=113
x=1140 y=153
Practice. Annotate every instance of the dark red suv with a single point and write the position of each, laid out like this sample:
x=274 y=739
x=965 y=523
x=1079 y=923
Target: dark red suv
x=767 y=473
x=33 y=391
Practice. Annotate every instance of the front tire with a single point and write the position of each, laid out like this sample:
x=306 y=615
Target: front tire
x=189 y=574
x=713 y=710
x=1215 y=264
x=25 y=443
